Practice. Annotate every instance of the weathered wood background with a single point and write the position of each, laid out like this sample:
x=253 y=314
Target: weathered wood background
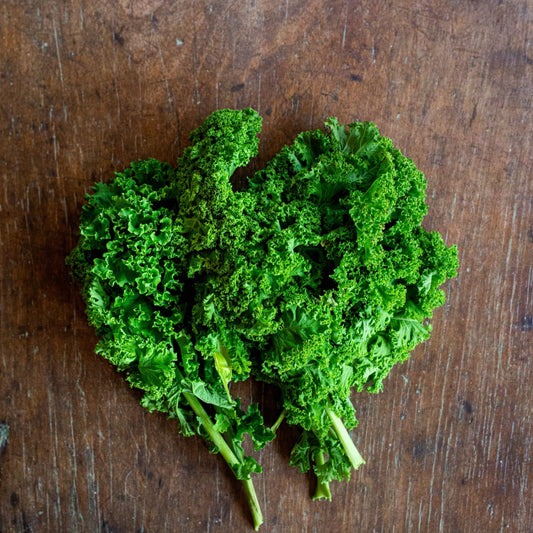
x=88 y=86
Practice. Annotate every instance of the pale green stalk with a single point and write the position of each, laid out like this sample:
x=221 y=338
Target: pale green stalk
x=344 y=437
x=228 y=455
x=322 y=488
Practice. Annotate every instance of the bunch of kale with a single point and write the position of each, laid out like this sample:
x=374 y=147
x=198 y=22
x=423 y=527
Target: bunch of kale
x=317 y=278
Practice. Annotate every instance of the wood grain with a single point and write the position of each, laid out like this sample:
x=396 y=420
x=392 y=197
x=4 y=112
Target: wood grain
x=87 y=87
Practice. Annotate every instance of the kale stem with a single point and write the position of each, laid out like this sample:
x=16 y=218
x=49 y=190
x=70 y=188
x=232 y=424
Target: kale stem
x=228 y=455
x=253 y=502
x=349 y=447
x=322 y=487
x=278 y=422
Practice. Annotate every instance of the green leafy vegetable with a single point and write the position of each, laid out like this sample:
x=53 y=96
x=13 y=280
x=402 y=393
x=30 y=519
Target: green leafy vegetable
x=146 y=240
x=318 y=278
x=339 y=280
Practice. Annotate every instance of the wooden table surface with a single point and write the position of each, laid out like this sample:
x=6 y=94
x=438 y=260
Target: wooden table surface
x=88 y=86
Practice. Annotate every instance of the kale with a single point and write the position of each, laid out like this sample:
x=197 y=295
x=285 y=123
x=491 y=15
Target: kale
x=340 y=280
x=146 y=239
x=317 y=278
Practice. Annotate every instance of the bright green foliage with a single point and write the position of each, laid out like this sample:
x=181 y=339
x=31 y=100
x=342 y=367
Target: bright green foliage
x=147 y=240
x=317 y=278
x=336 y=281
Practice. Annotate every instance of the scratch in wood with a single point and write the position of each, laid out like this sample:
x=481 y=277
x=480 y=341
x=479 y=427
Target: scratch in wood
x=499 y=465
x=143 y=514
x=345 y=25
x=420 y=515
x=408 y=520
x=115 y=79
x=134 y=513
x=195 y=59
x=294 y=106
x=146 y=453
x=170 y=96
x=54 y=141
x=26 y=211
x=52 y=423
x=443 y=499
x=259 y=94
x=57 y=50
x=74 y=463
x=511 y=310
x=93 y=489
x=109 y=445
x=492 y=411
x=48 y=517
x=529 y=292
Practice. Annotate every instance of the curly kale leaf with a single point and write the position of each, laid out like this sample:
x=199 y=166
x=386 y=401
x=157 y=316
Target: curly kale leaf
x=359 y=277
x=148 y=240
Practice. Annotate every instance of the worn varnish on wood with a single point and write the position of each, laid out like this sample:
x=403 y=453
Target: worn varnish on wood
x=86 y=87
